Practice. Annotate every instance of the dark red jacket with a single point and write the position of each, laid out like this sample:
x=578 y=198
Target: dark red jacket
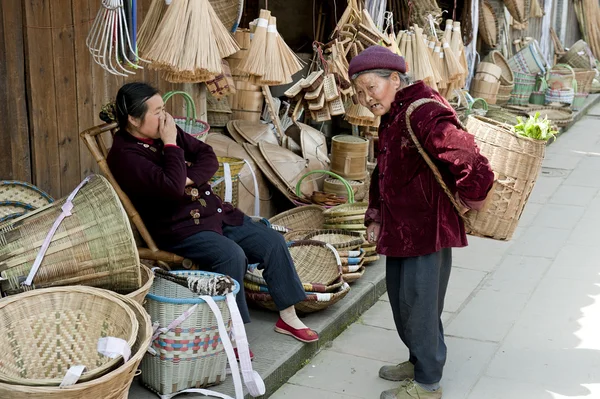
x=154 y=176
x=416 y=216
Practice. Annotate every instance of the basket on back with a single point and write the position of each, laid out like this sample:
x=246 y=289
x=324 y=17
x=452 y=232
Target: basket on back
x=50 y=330
x=114 y=385
x=517 y=161
x=190 y=355
x=93 y=246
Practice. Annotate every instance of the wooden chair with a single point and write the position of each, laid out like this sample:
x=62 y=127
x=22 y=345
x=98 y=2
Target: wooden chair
x=94 y=140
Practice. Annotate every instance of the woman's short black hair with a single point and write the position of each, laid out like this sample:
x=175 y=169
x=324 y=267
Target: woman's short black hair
x=131 y=100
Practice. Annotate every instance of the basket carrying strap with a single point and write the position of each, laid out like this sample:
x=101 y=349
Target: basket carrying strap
x=256 y=193
x=428 y=161
x=66 y=211
x=228 y=183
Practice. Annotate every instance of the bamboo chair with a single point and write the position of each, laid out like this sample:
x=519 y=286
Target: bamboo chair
x=94 y=140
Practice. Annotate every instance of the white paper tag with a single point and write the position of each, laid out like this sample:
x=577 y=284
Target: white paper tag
x=262 y=23
x=72 y=376
x=114 y=347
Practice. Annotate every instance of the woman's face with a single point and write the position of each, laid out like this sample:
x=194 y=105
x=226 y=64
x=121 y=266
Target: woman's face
x=377 y=93
x=148 y=125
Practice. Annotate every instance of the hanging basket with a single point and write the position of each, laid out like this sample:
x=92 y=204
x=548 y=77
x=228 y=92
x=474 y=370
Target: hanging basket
x=488 y=24
x=190 y=124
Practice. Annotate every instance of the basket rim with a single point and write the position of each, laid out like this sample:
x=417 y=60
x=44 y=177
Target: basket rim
x=185 y=301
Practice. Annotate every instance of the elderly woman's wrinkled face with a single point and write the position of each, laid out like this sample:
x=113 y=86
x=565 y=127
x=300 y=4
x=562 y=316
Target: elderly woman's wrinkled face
x=377 y=93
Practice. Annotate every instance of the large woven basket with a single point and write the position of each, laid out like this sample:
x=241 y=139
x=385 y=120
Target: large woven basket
x=315 y=263
x=584 y=78
x=517 y=162
x=18 y=198
x=339 y=239
x=579 y=56
x=313 y=302
x=301 y=218
x=192 y=354
x=139 y=295
x=524 y=86
x=94 y=246
x=50 y=330
x=496 y=57
x=488 y=24
x=529 y=60
x=114 y=385
x=218 y=180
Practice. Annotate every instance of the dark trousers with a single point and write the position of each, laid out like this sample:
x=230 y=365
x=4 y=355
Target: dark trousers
x=416 y=288
x=230 y=253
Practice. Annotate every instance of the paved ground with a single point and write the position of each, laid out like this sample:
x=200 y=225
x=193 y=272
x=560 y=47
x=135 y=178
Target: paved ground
x=522 y=318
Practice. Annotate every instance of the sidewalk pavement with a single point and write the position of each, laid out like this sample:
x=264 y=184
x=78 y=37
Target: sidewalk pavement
x=522 y=318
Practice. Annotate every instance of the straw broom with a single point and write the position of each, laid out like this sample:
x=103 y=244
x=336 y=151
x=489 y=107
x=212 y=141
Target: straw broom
x=150 y=25
x=455 y=71
x=291 y=61
x=255 y=63
x=225 y=41
x=274 y=73
x=403 y=42
x=425 y=59
x=438 y=56
x=169 y=40
x=435 y=65
x=459 y=50
x=409 y=53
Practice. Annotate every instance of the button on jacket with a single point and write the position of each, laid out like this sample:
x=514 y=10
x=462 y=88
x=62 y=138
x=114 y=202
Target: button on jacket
x=416 y=216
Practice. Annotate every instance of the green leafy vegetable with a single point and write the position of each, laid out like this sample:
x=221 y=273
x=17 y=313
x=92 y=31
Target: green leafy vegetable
x=535 y=128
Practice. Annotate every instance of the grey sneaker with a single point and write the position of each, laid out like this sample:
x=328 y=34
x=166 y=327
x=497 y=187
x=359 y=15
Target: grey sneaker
x=400 y=372
x=411 y=390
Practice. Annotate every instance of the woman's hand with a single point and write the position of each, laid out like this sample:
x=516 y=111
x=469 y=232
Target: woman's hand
x=373 y=232
x=167 y=129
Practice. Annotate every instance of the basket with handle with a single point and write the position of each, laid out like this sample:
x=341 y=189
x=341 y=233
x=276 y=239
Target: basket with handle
x=190 y=124
x=579 y=56
x=68 y=322
x=344 y=182
x=517 y=162
x=564 y=95
x=538 y=96
x=584 y=79
x=529 y=60
x=113 y=385
x=524 y=86
x=225 y=182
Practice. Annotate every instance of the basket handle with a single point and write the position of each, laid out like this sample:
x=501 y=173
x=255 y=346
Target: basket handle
x=429 y=162
x=190 y=106
x=340 y=178
x=479 y=100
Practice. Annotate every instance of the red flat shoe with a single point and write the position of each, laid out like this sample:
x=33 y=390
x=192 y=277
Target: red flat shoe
x=304 y=334
x=238 y=356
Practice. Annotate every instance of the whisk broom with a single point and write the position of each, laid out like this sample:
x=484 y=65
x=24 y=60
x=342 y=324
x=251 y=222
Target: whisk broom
x=459 y=50
x=454 y=68
x=255 y=63
x=274 y=72
x=150 y=25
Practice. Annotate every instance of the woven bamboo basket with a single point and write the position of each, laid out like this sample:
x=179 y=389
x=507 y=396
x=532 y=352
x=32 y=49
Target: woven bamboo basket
x=94 y=246
x=114 y=385
x=339 y=239
x=579 y=56
x=579 y=101
x=529 y=60
x=139 y=295
x=517 y=161
x=349 y=156
x=190 y=123
x=296 y=235
x=12 y=210
x=488 y=24
x=358 y=208
x=23 y=192
x=191 y=355
x=503 y=95
x=496 y=57
x=50 y=330
x=218 y=181
x=301 y=218
x=486 y=90
x=335 y=186
x=502 y=115
x=559 y=116
x=371 y=259
x=315 y=263
x=584 y=80
x=524 y=86
x=352 y=276
x=314 y=302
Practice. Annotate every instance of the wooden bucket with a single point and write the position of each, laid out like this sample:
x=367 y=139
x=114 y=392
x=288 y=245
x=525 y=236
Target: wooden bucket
x=349 y=156
x=486 y=90
x=94 y=246
x=247 y=105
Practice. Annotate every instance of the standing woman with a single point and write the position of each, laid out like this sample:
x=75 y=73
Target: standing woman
x=409 y=216
x=166 y=173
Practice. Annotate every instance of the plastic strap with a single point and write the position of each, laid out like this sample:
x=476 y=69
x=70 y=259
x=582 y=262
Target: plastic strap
x=72 y=376
x=352 y=269
x=262 y=23
x=228 y=183
x=183 y=317
x=337 y=255
x=256 y=193
x=272 y=29
x=252 y=380
x=114 y=347
x=66 y=211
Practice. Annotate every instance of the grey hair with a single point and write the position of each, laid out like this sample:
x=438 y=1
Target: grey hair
x=405 y=78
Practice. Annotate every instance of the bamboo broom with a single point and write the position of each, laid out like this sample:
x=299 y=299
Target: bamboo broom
x=403 y=42
x=169 y=40
x=225 y=41
x=435 y=65
x=274 y=73
x=255 y=63
x=293 y=63
x=453 y=65
x=150 y=25
x=424 y=61
x=448 y=32
x=458 y=47
x=409 y=53
x=441 y=66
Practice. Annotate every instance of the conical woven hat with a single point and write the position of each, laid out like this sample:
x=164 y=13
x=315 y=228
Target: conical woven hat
x=234 y=133
x=267 y=170
x=288 y=166
x=314 y=147
x=255 y=132
x=225 y=146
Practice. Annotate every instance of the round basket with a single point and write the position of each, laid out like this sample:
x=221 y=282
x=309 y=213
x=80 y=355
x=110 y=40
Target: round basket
x=316 y=264
x=313 y=302
x=114 y=385
x=67 y=323
x=12 y=210
x=506 y=78
x=339 y=239
x=503 y=95
x=190 y=124
x=351 y=277
x=296 y=235
x=517 y=161
x=139 y=295
x=488 y=24
x=23 y=193
x=358 y=208
x=371 y=259
x=579 y=56
x=584 y=79
x=335 y=186
x=560 y=117
x=349 y=156
x=301 y=218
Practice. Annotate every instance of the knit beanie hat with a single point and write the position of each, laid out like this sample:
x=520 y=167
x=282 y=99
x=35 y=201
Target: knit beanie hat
x=376 y=57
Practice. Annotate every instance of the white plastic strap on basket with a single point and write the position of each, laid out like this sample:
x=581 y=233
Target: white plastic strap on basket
x=228 y=183
x=72 y=376
x=256 y=193
x=354 y=268
x=337 y=255
x=183 y=317
x=66 y=211
x=114 y=347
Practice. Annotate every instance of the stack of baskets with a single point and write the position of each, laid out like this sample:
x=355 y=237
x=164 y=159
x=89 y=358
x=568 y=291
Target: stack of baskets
x=320 y=271
x=486 y=82
x=69 y=323
x=524 y=86
x=349 y=217
x=18 y=198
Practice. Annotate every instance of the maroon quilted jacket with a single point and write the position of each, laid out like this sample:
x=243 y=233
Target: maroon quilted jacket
x=416 y=216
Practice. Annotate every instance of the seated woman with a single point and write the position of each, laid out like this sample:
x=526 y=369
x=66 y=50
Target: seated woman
x=166 y=173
